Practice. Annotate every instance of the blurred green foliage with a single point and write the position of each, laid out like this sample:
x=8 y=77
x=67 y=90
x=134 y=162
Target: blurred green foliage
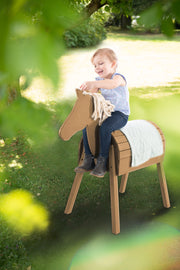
x=150 y=249
x=31 y=37
x=31 y=42
x=162 y=14
x=22 y=213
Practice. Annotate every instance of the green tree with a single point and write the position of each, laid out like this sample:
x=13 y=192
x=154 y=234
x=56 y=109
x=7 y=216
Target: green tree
x=162 y=13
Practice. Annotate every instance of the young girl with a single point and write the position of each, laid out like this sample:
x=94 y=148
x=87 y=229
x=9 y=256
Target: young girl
x=114 y=88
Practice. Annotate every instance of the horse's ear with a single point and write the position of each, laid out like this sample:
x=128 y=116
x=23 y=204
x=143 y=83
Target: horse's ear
x=78 y=92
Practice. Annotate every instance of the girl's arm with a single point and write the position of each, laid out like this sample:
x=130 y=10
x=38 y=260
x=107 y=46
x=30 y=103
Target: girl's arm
x=106 y=83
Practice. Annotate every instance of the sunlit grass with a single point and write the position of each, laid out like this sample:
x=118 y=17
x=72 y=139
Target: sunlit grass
x=15 y=164
x=156 y=92
x=2 y=143
x=116 y=34
x=2 y=167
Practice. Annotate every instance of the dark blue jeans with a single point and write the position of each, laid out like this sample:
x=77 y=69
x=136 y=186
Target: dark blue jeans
x=116 y=121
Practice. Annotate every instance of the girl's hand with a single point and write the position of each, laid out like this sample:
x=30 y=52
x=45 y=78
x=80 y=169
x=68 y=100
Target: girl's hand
x=88 y=86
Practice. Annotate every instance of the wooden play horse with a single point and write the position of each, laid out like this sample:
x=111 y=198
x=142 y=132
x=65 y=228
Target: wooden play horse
x=120 y=156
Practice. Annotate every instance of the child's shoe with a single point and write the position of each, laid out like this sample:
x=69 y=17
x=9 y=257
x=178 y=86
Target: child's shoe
x=100 y=169
x=87 y=165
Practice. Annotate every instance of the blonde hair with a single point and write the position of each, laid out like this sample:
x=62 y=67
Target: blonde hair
x=108 y=52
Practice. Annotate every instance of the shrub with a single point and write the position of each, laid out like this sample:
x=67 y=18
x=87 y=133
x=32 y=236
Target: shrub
x=90 y=33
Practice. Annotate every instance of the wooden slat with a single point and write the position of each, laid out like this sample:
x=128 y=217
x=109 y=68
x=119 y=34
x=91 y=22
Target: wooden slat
x=163 y=185
x=121 y=139
x=123 y=184
x=117 y=133
x=124 y=166
x=161 y=133
x=147 y=163
x=126 y=153
x=114 y=194
x=124 y=146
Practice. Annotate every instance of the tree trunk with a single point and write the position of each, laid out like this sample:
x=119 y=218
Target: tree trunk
x=125 y=22
x=93 y=6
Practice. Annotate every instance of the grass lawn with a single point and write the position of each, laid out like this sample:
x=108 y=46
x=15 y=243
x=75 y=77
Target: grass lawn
x=84 y=237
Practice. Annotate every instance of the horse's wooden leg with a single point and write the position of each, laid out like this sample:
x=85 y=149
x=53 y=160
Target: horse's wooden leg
x=163 y=185
x=74 y=189
x=123 y=184
x=73 y=193
x=114 y=194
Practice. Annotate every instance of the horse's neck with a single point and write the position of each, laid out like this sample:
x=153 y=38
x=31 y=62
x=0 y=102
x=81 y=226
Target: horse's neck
x=91 y=125
x=93 y=137
x=79 y=118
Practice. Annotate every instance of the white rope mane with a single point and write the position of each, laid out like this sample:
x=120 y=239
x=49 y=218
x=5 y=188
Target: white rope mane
x=102 y=107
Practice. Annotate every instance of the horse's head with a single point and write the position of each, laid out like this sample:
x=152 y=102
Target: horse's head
x=79 y=117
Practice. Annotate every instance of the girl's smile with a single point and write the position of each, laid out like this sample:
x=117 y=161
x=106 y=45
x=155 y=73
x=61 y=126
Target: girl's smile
x=103 y=66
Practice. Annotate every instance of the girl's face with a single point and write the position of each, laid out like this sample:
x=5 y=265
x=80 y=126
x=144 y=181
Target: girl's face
x=103 y=66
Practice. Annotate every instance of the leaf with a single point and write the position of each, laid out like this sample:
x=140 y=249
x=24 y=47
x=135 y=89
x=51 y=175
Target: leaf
x=103 y=2
x=16 y=5
x=32 y=38
x=107 y=8
x=37 y=52
x=167 y=26
x=151 y=16
x=115 y=10
x=59 y=14
x=176 y=9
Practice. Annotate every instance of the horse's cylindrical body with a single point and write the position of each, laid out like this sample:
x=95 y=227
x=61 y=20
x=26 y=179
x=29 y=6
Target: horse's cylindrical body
x=123 y=154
